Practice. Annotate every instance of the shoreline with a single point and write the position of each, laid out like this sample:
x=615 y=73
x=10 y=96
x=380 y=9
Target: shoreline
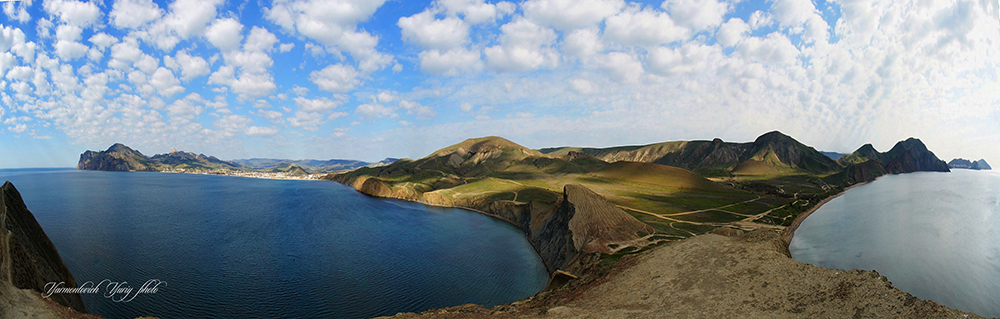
x=789 y=232
x=527 y=235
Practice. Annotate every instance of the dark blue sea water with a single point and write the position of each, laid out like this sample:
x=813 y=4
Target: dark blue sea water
x=934 y=235
x=256 y=248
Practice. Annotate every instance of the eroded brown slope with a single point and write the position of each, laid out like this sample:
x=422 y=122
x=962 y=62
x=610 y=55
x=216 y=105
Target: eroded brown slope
x=712 y=276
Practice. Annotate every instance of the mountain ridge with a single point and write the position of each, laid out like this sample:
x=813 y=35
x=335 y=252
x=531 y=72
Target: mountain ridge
x=120 y=157
x=770 y=153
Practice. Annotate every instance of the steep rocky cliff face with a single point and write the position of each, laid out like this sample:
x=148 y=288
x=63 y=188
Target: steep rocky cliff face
x=28 y=258
x=579 y=223
x=911 y=155
x=907 y=156
x=866 y=171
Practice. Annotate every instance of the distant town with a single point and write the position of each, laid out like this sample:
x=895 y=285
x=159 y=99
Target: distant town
x=251 y=174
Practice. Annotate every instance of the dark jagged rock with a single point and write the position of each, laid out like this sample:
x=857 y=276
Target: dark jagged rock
x=966 y=164
x=33 y=260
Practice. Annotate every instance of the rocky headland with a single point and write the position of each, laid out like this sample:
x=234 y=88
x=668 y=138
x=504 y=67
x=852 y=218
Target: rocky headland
x=119 y=157
x=907 y=156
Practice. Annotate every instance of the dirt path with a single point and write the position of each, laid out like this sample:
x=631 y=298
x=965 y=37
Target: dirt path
x=714 y=208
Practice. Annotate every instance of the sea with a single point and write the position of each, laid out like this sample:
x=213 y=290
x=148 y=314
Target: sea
x=204 y=246
x=934 y=235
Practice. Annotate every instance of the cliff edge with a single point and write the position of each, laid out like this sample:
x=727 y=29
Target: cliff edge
x=563 y=233
x=28 y=259
x=713 y=276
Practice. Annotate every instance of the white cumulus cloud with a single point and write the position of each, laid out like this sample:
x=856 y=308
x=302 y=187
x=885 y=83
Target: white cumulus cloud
x=338 y=78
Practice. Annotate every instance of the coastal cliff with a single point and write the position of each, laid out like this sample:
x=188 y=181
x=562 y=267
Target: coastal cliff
x=28 y=259
x=907 y=156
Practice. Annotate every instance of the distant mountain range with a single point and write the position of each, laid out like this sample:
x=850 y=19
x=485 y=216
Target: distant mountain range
x=770 y=154
x=119 y=157
x=966 y=164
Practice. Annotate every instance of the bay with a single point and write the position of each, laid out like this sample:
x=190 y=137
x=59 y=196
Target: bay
x=934 y=235
x=242 y=247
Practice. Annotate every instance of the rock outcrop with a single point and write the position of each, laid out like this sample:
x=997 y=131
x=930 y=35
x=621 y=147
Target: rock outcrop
x=29 y=259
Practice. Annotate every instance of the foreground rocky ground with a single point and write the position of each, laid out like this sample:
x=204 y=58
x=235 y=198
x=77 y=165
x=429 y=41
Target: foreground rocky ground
x=714 y=276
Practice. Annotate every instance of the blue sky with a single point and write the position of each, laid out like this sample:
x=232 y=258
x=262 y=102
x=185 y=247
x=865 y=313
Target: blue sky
x=372 y=79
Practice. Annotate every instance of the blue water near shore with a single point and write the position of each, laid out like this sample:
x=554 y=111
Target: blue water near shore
x=934 y=235
x=254 y=248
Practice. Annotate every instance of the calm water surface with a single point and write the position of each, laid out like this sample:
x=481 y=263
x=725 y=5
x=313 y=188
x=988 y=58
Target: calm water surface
x=255 y=248
x=934 y=235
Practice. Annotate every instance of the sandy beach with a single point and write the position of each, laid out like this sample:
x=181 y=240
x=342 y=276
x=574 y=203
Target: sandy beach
x=790 y=231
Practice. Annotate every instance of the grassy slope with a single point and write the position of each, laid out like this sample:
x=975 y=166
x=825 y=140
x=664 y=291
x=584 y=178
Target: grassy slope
x=675 y=201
